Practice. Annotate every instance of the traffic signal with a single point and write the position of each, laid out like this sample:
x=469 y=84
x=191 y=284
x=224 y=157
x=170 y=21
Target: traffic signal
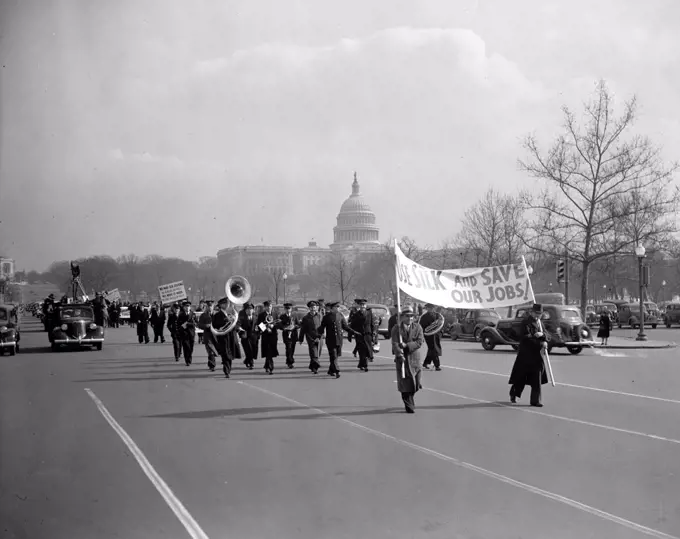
x=561 y=267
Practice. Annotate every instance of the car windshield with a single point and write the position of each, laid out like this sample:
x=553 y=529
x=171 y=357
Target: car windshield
x=3 y=315
x=492 y=314
x=571 y=314
x=379 y=311
x=76 y=312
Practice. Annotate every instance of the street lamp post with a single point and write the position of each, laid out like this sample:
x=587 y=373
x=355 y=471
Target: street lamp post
x=663 y=290
x=640 y=253
x=285 y=278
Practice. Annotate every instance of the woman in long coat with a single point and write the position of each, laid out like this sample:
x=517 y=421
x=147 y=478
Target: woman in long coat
x=605 y=326
x=407 y=354
x=529 y=368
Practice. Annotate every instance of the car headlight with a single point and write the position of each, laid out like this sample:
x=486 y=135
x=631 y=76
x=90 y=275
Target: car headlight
x=3 y=329
x=64 y=327
x=584 y=332
x=93 y=326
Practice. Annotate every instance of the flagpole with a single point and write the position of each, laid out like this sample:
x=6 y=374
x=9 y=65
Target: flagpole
x=544 y=351
x=396 y=275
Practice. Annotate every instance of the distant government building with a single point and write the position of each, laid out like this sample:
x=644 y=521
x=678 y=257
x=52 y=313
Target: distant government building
x=355 y=234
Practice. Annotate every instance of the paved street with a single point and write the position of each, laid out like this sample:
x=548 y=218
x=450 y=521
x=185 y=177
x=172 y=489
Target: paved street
x=126 y=442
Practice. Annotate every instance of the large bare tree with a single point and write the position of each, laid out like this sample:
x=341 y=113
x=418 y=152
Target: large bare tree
x=600 y=181
x=343 y=271
x=491 y=228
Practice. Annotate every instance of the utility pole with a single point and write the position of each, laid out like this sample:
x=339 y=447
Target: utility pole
x=566 y=277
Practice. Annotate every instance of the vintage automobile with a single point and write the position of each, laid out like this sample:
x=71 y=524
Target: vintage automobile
x=593 y=312
x=76 y=327
x=471 y=324
x=9 y=330
x=381 y=315
x=562 y=322
x=672 y=314
x=629 y=315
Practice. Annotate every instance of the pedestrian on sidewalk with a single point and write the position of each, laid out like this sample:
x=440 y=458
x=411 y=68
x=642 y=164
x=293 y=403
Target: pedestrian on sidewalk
x=605 y=326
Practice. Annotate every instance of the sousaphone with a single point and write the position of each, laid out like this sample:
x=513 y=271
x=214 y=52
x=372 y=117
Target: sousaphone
x=436 y=326
x=238 y=291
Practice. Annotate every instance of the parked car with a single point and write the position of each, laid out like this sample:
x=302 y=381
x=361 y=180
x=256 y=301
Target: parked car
x=593 y=312
x=672 y=314
x=629 y=315
x=381 y=314
x=9 y=330
x=77 y=328
x=472 y=323
x=562 y=322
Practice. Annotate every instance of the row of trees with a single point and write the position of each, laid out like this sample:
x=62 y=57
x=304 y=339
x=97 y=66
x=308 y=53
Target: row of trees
x=601 y=191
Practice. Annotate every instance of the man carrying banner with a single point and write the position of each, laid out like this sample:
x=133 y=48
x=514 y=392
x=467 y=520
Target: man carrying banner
x=434 y=342
x=407 y=339
x=529 y=368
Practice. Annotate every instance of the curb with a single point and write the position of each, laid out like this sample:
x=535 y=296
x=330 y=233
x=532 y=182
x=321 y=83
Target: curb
x=636 y=347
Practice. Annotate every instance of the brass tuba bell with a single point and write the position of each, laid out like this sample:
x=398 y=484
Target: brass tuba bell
x=436 y=326
x=238 y=291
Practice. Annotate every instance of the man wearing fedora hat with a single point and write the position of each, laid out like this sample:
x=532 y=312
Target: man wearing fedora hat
x=407 y=339
x=529 y=368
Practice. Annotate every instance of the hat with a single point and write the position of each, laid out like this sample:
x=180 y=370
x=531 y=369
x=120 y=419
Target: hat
x=332 y=304
x=537 y=308
x=248 y=305
x=174 y=304
x=185 y=303
x=407 y=310
x=360 y=301
x=222 y=301
x=312 y=304
x=321 y=300
x=267 y=303
x=286 y=305
x=429 y=306
x=209 y=301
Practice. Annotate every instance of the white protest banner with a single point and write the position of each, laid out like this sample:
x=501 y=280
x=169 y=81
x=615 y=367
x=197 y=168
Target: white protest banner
x=172 y=292
x=472 y=288
x=113 y=295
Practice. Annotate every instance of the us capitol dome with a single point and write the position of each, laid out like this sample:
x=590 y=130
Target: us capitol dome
x=356 y=228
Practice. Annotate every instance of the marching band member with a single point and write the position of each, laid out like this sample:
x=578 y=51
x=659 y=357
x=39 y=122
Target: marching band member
x=290 y=336
x=529 y=368
x=248 y=334
x=201 y=309
x=407 y=339
x=269 y=335
x=204 y=321
x=333 y=325
x=172 y=328
x=185 y=326
x=322 y=313
x=434 y=342
x=309 y=329
x=226 y=345
x=362 y=324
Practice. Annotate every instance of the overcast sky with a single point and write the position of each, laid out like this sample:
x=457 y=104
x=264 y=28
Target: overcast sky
x=180 y=127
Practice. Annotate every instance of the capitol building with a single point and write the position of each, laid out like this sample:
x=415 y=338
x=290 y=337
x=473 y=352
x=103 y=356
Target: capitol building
x=356 y=234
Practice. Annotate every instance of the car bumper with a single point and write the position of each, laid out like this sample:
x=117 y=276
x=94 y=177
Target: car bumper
x=580 y=343
x=7 y=344
x=88 y=340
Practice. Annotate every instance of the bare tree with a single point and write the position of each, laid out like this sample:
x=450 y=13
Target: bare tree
x=277 y=280
x=590 y=173
x=343 y=272
x=491 y=229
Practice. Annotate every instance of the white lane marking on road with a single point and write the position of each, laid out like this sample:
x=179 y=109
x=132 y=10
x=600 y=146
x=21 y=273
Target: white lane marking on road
x=571 y=420
x=488 y=473
x=173 y=502
x=589 y=388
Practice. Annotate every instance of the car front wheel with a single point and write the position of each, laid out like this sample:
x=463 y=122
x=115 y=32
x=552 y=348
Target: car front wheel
x=574 y=349
x=487 y=343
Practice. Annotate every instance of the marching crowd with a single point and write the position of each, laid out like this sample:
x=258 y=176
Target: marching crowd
x=248 y=333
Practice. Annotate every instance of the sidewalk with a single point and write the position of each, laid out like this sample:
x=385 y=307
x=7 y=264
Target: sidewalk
x=617 y=343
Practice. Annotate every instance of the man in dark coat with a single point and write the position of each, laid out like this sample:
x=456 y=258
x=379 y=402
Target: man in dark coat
x=362 y=326
x=172 y=328
x=157 y=321
x=143 y=325
x=434 y=342
x=247 y=330
x=407 y=339
x=185 y=326
x=393 y=320
x=288 y=323
x=333 y=326
x=529 y=368
x=269 y=335
x=226 y=345
x=205 y=319
x=309 y=330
